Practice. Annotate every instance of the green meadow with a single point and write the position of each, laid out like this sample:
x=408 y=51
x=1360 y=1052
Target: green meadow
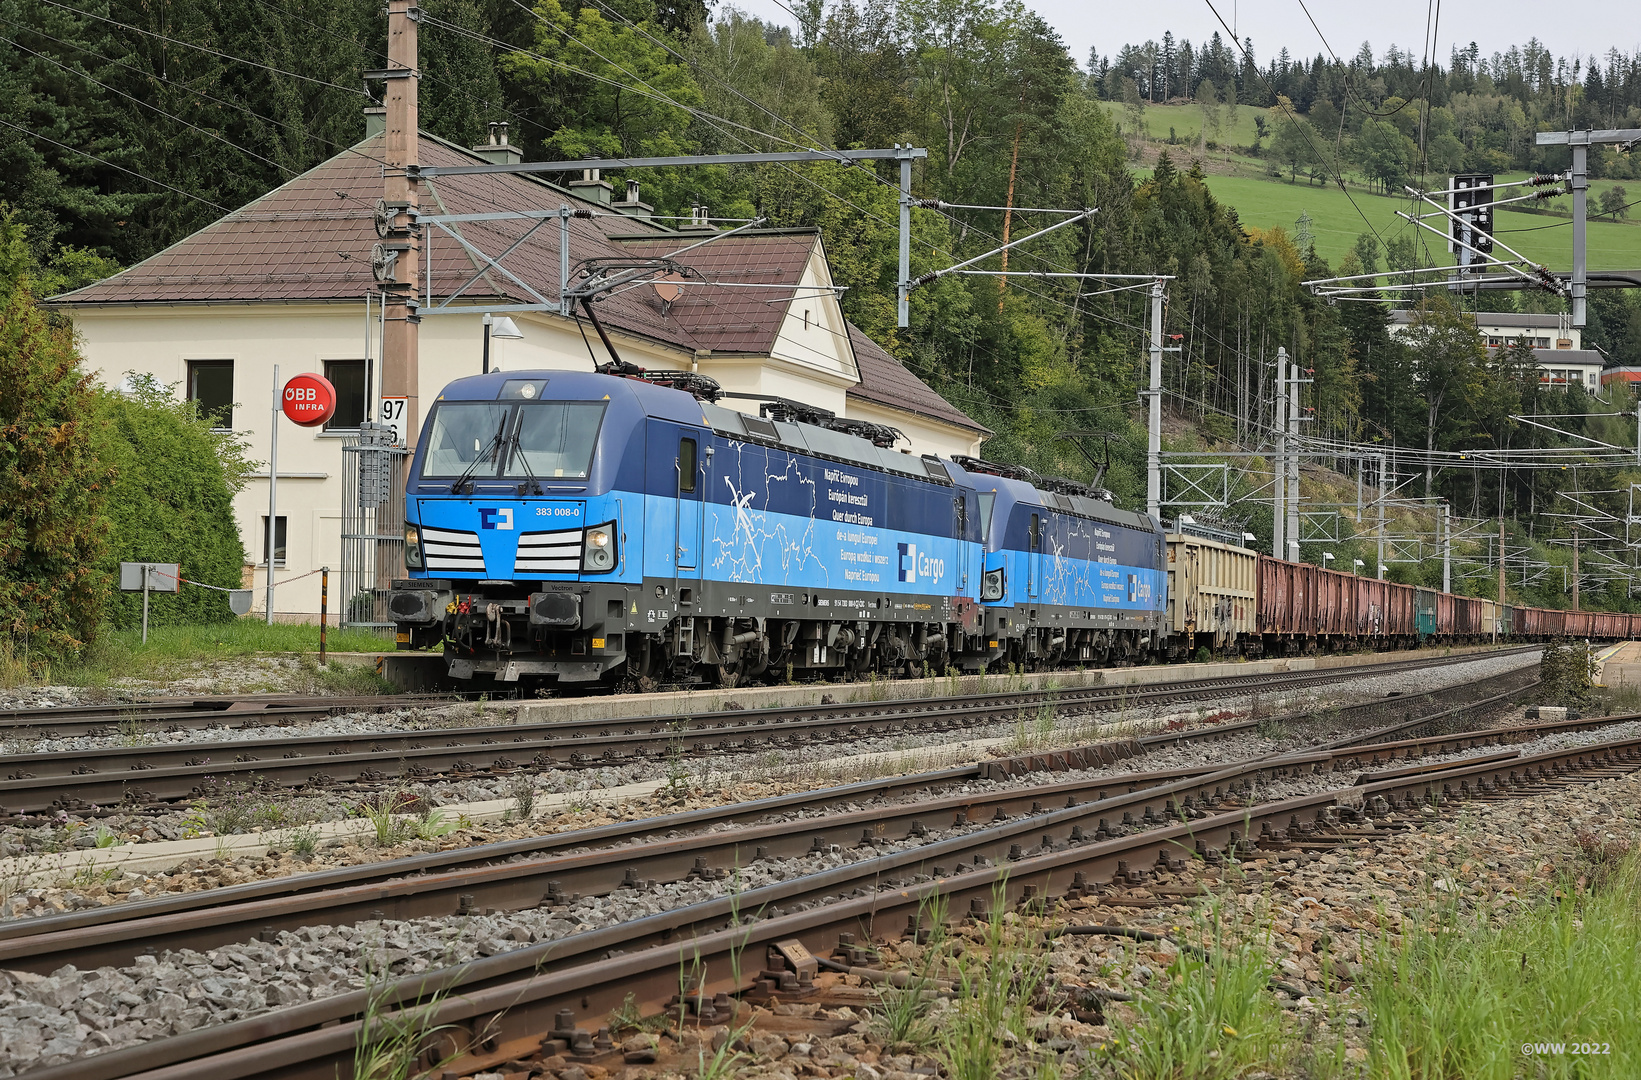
x=1263 y=201
x=1337 y=219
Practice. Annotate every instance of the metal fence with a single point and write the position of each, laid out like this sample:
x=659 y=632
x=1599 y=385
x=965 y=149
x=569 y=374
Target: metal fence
x=373 y=530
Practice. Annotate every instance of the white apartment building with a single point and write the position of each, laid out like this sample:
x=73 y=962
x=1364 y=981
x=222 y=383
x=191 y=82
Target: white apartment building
x=1557 y=344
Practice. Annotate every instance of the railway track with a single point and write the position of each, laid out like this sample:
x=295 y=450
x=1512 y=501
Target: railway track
x=696 y=844
x=878 y=790
x=182 y=714
x=502 y=1006
x=159 y=774
x=265 y=710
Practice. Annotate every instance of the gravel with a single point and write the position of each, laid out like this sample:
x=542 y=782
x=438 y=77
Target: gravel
x=714 y=780
x=1494 y=857
x=73 y=1013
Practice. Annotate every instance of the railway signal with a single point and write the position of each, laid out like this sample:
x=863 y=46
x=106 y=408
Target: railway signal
x=1470 y=198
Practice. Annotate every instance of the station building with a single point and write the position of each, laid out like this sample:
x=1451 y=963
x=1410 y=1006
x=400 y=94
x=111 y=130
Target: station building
x=287 y=281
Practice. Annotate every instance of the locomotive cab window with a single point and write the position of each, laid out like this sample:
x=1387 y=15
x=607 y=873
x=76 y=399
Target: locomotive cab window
x=555 y=440
x=686 y=466
x=466 y=435
x=987 y=500
x=543 y=440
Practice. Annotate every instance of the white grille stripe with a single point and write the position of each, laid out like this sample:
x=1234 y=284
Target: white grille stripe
x=550 y=552
x=448 y=549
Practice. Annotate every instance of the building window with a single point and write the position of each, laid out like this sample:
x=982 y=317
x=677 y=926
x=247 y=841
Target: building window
x=211 y=388
x=348 y=376
x=279 y=540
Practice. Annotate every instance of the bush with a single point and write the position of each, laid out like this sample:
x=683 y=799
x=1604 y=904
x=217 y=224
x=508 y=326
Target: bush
x=53 y=488
x=172 y=501
x=1564 y=673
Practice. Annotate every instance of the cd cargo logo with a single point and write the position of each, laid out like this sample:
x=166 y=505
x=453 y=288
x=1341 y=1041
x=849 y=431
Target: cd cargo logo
x=914 y=565
x=496 y=519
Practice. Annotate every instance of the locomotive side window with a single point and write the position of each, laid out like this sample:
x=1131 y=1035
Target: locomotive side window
x=686 y=466
x=962 y=506
x=1036 y=533
x=987 y=500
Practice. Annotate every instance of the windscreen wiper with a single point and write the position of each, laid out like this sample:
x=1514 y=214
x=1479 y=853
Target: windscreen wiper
x=532 y=486
x=463 y=484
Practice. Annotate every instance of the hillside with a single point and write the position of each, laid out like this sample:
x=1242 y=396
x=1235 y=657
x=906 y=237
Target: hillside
x=1243 y=181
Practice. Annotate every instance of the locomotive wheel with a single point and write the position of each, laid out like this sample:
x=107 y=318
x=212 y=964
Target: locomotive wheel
x=727 y=675
x=914 y=669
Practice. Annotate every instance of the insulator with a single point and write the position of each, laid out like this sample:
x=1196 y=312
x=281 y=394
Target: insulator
x=1544 y=180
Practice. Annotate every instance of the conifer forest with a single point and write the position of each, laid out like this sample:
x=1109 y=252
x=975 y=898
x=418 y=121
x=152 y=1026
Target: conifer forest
x=127 y=126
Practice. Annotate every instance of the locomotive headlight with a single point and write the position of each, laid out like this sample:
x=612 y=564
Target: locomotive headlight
x=991 y=585
x=413 y=548
x=598 y=549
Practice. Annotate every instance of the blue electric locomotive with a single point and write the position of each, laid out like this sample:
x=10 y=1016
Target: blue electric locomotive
x=1068 y=578
x=576 y=528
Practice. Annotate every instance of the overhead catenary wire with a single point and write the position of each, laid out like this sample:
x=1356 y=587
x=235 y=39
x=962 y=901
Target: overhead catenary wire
x=287 y=170
x=706 y=116
x=711 y=118
x=1339 y=176
x=195 y=92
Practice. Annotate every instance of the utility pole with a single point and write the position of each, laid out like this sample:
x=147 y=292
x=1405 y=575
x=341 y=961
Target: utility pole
x=1381 y=517
x=1579 y=182
x=400 y=319
x=1447 y=550
x=1153 y=448
x=1575 y=569
x=273 y=504
x=1293 y=458
x=1279 y=490
x=1502 y=594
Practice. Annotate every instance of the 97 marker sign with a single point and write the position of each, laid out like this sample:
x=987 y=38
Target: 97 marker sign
x=393 y=415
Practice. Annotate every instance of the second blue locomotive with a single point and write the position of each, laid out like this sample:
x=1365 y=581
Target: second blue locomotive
x=578 y=528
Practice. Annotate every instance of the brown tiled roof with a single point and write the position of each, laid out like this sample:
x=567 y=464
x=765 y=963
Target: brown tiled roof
x=885 y=381
x=728 y=319
x=311 y=238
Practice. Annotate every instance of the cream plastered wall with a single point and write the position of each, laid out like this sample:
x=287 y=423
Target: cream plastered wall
x=160 y=340
x=923 y=435
x=300 y=338
x=813 y=334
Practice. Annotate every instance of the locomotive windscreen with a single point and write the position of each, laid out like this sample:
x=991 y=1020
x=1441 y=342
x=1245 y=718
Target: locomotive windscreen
x=555 y=438
x=538 y=439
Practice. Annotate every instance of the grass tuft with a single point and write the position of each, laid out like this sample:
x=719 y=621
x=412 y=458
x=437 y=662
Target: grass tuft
x=172 y=650
x=1208 y=1015
x=1564 y=973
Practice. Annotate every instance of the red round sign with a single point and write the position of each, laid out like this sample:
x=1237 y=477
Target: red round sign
x=309 y=400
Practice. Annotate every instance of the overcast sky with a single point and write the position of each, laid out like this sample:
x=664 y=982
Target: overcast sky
x=1495 y=25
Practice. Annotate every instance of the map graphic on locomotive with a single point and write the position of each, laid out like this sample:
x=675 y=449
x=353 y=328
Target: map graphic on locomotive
x=578 y=528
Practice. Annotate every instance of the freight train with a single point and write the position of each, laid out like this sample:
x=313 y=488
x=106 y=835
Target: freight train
x=591 y=528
